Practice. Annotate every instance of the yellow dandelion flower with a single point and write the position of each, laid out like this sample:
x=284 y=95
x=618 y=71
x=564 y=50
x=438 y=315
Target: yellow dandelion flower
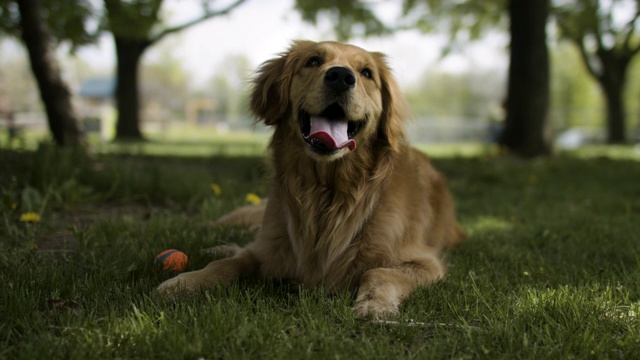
x=32 y=217
x=253 y=198
x=34 y=246
x=216 y=189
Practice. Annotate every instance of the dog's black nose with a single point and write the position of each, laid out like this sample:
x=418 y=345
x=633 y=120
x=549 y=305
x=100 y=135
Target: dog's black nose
x=340 y=79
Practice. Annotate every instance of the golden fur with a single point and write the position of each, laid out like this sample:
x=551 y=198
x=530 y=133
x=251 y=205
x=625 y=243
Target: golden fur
x=376 y=218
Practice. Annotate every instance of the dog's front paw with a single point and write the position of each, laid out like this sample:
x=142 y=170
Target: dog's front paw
x=372 y=307
x=185 y=282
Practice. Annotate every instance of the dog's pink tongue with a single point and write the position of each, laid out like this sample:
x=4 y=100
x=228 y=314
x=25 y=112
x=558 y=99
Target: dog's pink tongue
x=331 y=133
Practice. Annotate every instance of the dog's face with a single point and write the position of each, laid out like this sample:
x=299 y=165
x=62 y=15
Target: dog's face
x=334 y=97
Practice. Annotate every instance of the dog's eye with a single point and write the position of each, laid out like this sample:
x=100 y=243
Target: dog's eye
x=313 y=61
x=366 y=72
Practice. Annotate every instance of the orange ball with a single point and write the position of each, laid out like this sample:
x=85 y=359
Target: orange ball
x=171 y=260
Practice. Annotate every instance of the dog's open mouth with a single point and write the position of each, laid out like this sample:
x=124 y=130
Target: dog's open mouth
x=329 y=131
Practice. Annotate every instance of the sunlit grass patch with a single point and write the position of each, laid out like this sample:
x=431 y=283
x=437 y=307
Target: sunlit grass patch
x=484 y=224
x=615 y=152
x=463 y=150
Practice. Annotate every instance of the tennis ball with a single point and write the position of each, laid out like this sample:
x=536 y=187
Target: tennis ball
x=171 y=260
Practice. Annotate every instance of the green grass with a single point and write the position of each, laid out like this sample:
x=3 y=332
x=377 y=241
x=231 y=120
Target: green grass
x=549 y=270
x=170 y=142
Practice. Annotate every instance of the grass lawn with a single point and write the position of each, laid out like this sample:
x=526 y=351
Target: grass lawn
x=550 y=268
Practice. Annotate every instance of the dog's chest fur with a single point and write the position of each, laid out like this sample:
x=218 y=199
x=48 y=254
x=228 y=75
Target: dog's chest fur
x=329 y=206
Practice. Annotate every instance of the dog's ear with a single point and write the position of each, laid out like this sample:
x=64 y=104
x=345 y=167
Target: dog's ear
x=270 y=93
x=395 y=108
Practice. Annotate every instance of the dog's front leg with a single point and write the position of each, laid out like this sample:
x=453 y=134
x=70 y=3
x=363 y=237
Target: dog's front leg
x=222 y=271
x=382 y=289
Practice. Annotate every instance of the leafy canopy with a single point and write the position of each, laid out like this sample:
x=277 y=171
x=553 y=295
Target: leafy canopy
x=67 y=20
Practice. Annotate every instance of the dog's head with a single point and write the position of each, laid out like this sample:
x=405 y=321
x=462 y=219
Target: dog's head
x=335 y=97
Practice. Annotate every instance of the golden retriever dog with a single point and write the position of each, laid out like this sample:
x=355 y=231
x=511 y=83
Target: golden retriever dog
x=350 y=205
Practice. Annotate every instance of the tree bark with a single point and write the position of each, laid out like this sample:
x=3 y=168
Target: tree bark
x=525 y=130
x=616 y=119
x=129 y=53
x=131 y=24
x=612 y=81
x=62 y=119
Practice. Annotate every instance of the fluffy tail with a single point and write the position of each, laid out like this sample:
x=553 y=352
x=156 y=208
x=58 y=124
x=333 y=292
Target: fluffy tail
x=249 y=216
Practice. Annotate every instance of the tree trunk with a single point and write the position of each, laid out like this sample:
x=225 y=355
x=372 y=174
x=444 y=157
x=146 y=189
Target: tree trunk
x=129 y=53
x=616 y=119
x=63 y=121
x=525 y=130
x=612 y=82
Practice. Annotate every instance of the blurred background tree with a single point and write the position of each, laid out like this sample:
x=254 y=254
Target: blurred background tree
x=607 y=34
x=228 y=89
x=19 y=91
x=136 y=26
x=350 y=18
x=576 y=100
x=463 y=98
x=525 y=130
x=41 y=26
x=165 y=85
x=475 y=93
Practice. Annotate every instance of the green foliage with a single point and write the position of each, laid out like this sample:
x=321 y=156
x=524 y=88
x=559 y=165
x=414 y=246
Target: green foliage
x=165 y=85
x=468 y=95
x=133 y=19
x=607 y=35
x=576 y=100
x=462 y=20
x=601 y=22
x=141 y=20
x=67 y=20
x=17 y=85
x=549 y=269
x=599 y=32
x=9 y=17
x=350 y=18
x=230 y=90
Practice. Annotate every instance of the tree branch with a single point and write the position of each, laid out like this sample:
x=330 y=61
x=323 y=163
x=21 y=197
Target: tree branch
x=577 y=37
x=585 y=56
x=630 y=27
x=208 y=15
x=594 y=25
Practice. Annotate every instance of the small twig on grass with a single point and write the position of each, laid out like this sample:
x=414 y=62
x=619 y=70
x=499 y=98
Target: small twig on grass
x=412 y=323
x=66 y=328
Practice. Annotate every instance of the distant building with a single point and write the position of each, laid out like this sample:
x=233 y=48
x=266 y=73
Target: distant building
x=98 y=89
x=96 y=108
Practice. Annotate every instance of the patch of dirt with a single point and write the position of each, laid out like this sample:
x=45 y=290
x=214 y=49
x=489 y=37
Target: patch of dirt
x=62 y=240
x=58 y=241
x=90 y=214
